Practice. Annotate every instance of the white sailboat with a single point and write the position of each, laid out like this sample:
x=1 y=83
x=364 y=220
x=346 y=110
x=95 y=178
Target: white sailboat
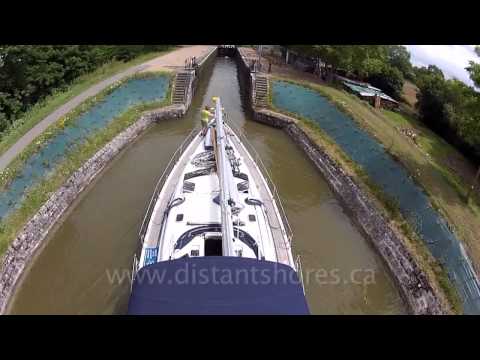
x=214 y=209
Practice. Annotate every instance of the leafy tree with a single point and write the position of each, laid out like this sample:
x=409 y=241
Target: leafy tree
x=431 y=97
x=399 y=57
x=449 y=107
x=424 y=73
x=389 y=79
x=366 y=60
x=377 y=64
x=28 y=73
x=474 y=70
x=329 y=54
x=359 y=59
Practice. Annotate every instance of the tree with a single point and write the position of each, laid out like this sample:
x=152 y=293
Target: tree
x=425 y=73
x=331 y=55
x=376 y=63
x=399 y=57
x=28 y=73
x=431 y=97
x=474 y=71
x=367 y=59
x=451 y=108
x=389 y=79
x=470 y=127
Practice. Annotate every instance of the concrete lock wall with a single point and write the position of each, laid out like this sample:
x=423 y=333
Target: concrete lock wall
x=197 y=74
x=414 y=287
x=246 y=82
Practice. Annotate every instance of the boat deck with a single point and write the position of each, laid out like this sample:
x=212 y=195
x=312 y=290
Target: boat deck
x=162 y=249
x=282 y=245
x=152 y=236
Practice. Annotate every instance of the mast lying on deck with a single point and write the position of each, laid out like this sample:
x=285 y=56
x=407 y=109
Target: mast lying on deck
x=227 y=185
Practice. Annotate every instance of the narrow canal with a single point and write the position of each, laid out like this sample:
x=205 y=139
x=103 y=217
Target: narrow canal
x=73 y=272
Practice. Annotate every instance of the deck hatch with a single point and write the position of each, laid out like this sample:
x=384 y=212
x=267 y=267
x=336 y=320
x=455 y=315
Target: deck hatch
x=243 y=186
x=188 y=186
x=189 y=235
x=213 y=246
x=240 y=175
x=199 y=172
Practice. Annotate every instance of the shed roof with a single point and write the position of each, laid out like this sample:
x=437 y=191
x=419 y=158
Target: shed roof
x=368 y=91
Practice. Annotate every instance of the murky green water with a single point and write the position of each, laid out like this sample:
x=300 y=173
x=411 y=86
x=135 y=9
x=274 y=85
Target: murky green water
x=342 y=272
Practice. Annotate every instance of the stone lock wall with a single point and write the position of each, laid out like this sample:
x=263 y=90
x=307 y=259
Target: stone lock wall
x=196 y=74
x=410 y=279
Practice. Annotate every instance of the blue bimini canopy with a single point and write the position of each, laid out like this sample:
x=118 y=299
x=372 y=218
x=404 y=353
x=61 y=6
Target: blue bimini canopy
x=217 y=285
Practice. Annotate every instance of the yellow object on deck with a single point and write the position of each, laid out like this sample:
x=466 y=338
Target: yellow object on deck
x=205 y=117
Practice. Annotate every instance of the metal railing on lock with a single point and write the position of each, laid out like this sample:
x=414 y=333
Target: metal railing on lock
x=158 y=188
x=185 y=90
x=188 y=63
x=273 y=189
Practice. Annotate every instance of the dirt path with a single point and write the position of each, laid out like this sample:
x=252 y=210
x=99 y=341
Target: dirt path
x=176 y=59
x=170 y=61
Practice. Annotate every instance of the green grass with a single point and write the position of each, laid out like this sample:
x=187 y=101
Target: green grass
x=446 y=187
x=74 y=159
x=46 y=106
x=439 y=151
x=390 y=207
x=392 y=210
x=8 y=174
x=427 y=139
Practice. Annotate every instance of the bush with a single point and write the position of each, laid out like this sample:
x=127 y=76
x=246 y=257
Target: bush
x=389 y=79
x=450 y=108
x=29 y=73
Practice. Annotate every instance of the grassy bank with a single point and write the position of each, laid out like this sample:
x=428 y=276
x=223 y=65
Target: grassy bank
x=8 y=174
x=448 y=161
x=435 y=272
x=438 y=168
x=51 y=103
x=74 y=158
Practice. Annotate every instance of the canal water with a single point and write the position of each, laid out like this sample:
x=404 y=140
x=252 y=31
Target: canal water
x=392 y=177
x=37 y=166
x=72 y=274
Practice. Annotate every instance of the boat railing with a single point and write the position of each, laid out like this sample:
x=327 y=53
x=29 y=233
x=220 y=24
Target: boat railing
x=134 y=270
x=298 y=265
x=270 y=183
x=161 y=181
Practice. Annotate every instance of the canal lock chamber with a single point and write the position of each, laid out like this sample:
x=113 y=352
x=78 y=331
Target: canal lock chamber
x=80 y=268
